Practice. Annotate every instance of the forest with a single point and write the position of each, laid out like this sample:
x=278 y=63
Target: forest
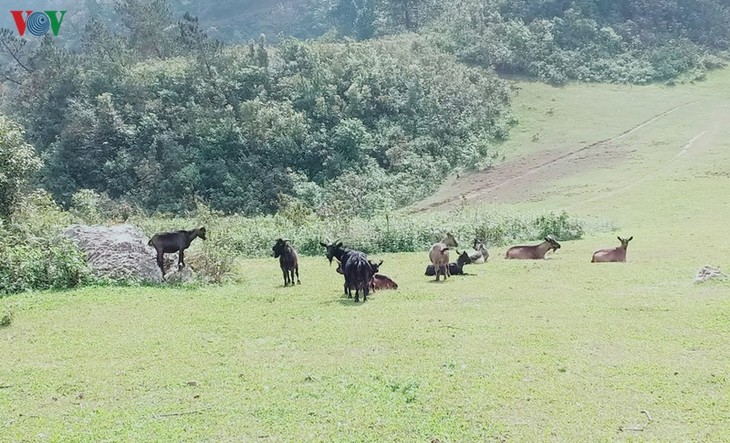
x=370 y=113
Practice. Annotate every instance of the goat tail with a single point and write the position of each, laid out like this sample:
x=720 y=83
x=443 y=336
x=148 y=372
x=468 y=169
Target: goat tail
x=149 y=243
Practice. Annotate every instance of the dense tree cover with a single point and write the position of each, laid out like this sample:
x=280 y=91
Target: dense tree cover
x=18 y=161
x=624 y=41
x=162 y=115
x=147 y=108
x=616 y=41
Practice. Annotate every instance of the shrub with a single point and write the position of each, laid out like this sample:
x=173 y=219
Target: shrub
x=18 y=160
x=41 y=263
x=6 y=316
x=33 y=256
x=253 y=237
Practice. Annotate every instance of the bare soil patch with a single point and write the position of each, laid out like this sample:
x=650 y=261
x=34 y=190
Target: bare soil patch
x=524 y=179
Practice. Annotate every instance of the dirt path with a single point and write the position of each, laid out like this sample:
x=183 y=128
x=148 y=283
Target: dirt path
x=521 y=179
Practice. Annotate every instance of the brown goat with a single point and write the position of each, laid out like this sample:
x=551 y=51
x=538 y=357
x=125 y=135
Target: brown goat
x=454 y=268
x=617 y=254
x=536 y=252
x=380 y=281
x=439 y=255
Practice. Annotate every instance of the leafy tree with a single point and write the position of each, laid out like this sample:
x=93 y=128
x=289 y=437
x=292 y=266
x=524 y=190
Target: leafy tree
x=18 y=161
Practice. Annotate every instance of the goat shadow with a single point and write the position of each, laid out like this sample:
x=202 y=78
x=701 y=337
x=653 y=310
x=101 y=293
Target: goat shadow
x=457 y=275
x=351 y=301
x=345 y=301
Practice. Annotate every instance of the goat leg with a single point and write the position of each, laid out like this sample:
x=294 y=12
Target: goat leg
x=161 y=264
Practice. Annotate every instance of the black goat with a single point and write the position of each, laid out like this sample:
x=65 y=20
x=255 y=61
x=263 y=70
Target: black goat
x=375 y=267
x=454 y=268
x=343 y=256
x=335 y=250
x=288 y=260
x=358 y=274
x=169 y=242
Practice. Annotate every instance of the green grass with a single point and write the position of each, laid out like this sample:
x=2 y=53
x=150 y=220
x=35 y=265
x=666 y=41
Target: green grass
x=560 y=349
x=555 y=350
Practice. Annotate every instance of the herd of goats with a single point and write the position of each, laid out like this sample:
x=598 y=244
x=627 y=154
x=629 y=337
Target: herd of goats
x=361 y=274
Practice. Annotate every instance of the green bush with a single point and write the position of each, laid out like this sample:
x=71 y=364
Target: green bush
x=254 y=237
x=6 y=316
x=33 y=255
x=41 y=263
x=556 y=42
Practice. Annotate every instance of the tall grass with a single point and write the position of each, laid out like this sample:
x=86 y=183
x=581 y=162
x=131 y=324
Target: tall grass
x=33 y=255
x=254 y=236
x=39 y=258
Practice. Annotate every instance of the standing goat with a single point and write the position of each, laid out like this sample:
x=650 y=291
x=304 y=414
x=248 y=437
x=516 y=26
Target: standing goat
x=454 y=268
x=439 y=255
x=169 y=242
x=354 y=265
x=536 y=252
x=288 y=260
x=358 y=275
x=617 y=254
x=377 y=282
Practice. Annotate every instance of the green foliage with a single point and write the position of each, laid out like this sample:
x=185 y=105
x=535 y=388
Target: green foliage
x=254 y=236
x=361 y=127
x=616 y=42
x=33 y=255
x=6 y=315
x=18 y=161
x=214 y=264
x=40 y=263
x=561 y=226
x=362 y=19
x=96 y=208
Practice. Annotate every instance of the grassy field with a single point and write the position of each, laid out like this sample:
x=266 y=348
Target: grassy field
x=556 y=350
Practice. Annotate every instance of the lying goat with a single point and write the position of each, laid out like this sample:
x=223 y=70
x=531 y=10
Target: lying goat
x=536 y=252
x=377 y=281
x=380 y=281
x=454 y=268
x=481 y=255
x=617 y=254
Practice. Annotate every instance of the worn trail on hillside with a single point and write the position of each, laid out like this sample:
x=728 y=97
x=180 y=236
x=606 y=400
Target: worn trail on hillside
x=517 y=180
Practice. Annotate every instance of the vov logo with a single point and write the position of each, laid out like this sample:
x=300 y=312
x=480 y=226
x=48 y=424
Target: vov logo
x=38 y=23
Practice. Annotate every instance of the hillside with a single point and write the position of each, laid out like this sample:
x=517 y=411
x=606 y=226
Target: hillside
x=583 y=147
x=548 y=350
